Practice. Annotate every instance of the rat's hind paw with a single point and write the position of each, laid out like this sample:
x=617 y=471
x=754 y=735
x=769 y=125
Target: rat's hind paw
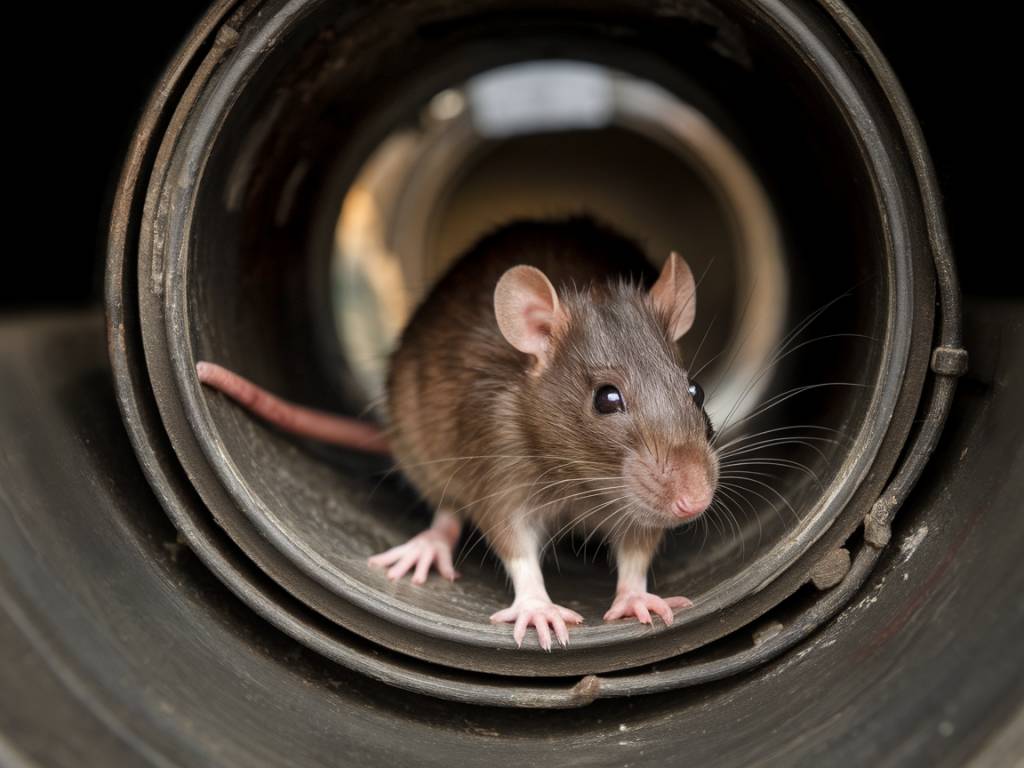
x=640 y=604
x=543 y=615
x=430 y=548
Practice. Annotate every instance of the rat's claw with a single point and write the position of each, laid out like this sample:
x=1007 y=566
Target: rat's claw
x=444 y=563
x=543 y=615
x=507 y=615
x=561 y=631
x=423 y=566
x=640 y=605
x=429 y=548
x=543 y=632
x=519 y=631
x=571 y=616
x=398 y=570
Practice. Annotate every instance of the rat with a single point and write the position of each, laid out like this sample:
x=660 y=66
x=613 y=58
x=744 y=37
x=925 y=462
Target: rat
x=539 y=390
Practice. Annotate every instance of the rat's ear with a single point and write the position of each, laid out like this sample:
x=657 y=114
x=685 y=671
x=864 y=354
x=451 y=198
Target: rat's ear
x=674 y=296
x=527 y=309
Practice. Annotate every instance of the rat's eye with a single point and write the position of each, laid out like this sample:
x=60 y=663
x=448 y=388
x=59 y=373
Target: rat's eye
x=607 y=399
x=696 y=393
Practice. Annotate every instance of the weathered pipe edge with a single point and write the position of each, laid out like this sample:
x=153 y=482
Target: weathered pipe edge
x=177 y=321
x=134 y=412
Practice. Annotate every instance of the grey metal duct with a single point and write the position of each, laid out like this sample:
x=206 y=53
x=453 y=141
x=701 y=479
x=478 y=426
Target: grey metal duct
x=251 y=631
x=267 y=124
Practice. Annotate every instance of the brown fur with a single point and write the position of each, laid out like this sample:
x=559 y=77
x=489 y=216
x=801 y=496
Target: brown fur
x=480 y=430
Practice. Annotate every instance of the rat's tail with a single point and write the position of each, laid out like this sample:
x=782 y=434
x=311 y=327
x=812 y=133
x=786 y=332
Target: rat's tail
x=319 y=425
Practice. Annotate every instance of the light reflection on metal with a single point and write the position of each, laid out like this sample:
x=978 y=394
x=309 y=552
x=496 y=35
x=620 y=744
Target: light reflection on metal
x=541 y=96
x=447 y=105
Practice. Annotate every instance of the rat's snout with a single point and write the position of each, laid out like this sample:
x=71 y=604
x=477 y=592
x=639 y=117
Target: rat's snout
x=677 y=484
x=692 y=500
x=689 y=483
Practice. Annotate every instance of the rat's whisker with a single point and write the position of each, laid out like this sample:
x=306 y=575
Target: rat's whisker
x=778 y=358
x=774 y=462
x=738 y=497
x=774 y=490
x=578 y=519
x=508 y=524
x=738 y=347
x=771 y=505
x=693 y=360
x=626 y=523
x=598 y=527
x=743 y=438
x=807 y=441
x=783 y=397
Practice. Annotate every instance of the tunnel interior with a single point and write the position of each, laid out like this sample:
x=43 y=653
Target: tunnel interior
x=334 y=189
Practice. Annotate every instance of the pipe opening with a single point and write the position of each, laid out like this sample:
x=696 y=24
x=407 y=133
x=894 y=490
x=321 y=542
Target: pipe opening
x=307 y=199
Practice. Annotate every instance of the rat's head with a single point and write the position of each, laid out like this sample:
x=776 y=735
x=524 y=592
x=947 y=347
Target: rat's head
x=606 y=401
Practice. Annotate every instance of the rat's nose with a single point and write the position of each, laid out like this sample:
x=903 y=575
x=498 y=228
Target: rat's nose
x=687 y=507
x=691 y=487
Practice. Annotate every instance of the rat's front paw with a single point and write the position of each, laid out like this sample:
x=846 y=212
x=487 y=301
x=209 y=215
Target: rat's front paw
x=432 y=547
x=640 y=604
x=543 y=615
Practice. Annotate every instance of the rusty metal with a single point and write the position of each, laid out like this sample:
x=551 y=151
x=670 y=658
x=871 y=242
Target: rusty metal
x=831 y=569
x=949 y=361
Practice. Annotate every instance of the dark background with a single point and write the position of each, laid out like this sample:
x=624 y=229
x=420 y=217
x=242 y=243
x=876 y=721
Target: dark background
x=77 y=119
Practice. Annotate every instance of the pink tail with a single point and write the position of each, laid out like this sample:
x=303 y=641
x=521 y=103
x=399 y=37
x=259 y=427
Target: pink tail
x=319 y=425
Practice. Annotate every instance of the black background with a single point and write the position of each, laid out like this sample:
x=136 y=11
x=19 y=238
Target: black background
x=81 y=83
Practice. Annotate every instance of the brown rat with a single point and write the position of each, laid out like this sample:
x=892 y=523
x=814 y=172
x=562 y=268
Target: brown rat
x=538 y=390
